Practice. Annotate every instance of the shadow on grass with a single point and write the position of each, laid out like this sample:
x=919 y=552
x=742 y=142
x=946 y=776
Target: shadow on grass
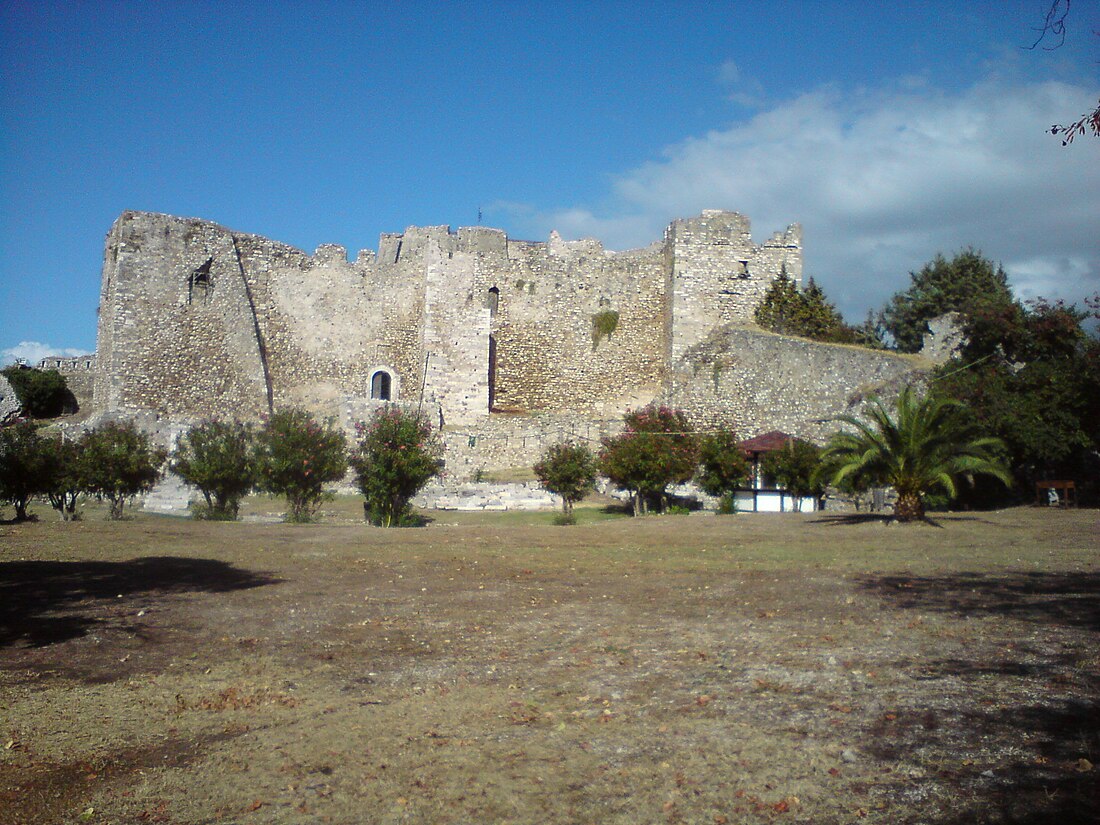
x=45 y=602
x=1071 y=599
x=872 y=518
x=1037 y=778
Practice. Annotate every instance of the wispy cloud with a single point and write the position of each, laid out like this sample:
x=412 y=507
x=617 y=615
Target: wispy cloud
x=34 y=351
x=882 y=180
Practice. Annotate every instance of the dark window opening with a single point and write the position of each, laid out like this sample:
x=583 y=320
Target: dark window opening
x=200 y=283
x=493 y=300
x=380 y=385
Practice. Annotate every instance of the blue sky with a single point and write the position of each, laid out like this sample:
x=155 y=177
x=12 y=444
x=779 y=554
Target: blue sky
x=890 y=133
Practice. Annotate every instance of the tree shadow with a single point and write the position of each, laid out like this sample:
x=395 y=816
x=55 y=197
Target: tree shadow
x=1038 y=775
x=1044 y=782
x=871 y=518
x=46 y=602
x=1071 y=599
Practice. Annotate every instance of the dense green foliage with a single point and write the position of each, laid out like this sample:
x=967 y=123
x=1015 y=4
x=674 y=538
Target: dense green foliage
x=927 y=446
x=41 y=393
x=968 y=283
x=119 y=462
x=723 y=467
x=657 y=448
x=808 y=313
x=1031 y=376
x=217 y=458
x=796 y=468
x=296 y=456
x=567 y=470
x=65 y=477
x=23 y=466
x=397 y=455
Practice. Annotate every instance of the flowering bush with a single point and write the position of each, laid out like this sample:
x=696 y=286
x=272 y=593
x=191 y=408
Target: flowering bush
x=217 y=457
x=398 y=454
x=656 y=449
x=296 y=456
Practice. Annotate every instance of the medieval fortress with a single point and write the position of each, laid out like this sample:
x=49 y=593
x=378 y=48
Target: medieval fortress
x=508 y=345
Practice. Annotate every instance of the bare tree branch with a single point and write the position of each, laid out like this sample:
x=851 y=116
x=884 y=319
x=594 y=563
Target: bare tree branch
x=1054 y=25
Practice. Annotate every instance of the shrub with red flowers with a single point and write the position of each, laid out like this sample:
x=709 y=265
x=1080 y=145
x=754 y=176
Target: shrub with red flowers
x=296 y=456
x=398 y=454
x=656 y=449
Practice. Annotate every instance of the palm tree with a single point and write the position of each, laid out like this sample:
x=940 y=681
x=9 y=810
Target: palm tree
x=927 y=447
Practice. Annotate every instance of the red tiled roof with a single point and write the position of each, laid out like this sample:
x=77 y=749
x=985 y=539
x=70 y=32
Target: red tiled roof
x=767 y=442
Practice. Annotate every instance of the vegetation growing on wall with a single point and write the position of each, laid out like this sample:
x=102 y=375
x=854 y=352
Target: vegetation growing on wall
x=604 y=324
x=41 y=393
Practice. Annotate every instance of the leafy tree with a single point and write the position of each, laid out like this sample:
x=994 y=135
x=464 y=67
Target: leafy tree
x=1031 y=375
x=656 y=449
x=65 y=478
x=925 y=447
x=723 y=467
x=397 y=455
x=796 y=467
x=567 y=470
x=781 y=310
x=23 y=466
x=41 y=393
x=968 y=283
x=296 y=456
x=217 y=457
x=807 y=313
x=119 y=463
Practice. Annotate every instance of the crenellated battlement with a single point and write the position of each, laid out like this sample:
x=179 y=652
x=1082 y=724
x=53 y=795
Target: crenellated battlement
x=198 y=319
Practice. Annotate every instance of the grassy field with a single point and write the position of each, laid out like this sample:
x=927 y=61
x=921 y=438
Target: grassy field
x=495 y=668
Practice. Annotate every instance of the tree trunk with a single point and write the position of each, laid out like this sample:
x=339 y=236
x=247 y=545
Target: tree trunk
x=909 y=507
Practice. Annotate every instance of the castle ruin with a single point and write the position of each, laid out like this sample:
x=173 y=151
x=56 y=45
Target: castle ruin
x=509 y=344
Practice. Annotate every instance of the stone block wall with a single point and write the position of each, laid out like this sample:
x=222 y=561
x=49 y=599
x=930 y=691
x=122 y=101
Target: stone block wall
x=757 y=381
x=719 y=276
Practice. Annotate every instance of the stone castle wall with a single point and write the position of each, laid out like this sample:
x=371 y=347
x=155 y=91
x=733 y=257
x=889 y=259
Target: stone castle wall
x=491 y=336
x=755 y=382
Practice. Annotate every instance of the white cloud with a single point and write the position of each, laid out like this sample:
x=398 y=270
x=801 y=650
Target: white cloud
x=881 y=181
x=34 y=351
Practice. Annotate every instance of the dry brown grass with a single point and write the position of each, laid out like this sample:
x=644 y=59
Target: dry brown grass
x=495 y=669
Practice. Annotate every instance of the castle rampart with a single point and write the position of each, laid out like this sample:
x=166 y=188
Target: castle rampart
x=495 y=335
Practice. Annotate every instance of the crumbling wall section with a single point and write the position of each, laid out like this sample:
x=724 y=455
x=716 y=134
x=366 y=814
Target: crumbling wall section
x=756 y=382
x=176 y=330
x=719 y=276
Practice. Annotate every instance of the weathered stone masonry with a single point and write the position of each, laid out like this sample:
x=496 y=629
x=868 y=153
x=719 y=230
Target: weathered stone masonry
x=495 y=336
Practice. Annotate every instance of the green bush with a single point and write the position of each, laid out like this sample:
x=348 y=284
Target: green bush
x=722 y=468
x=296 y=456
x=656 y=449
x=24 y=466
x=66 y=476
x=797 y=468
x=567 y=470
x=119 y=462
x=397 y=455
x=41 y=393
x=217 y=458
